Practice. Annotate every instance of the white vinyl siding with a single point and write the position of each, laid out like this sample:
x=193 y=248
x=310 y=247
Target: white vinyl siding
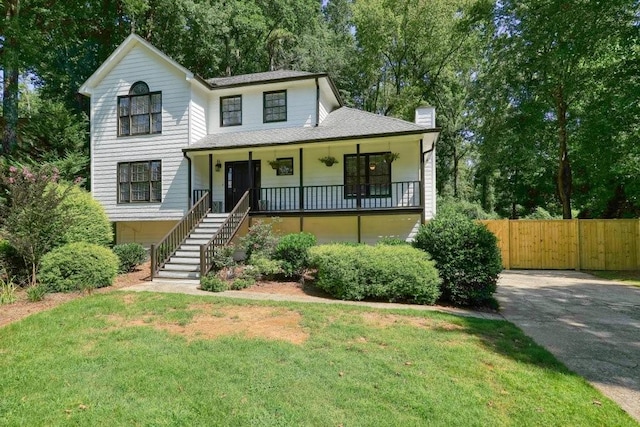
x=198 y=115
x=108 y=149
x=301 y=106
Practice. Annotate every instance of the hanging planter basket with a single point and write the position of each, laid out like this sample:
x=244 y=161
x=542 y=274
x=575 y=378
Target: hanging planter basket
x=390 y=157
x=328 y=160
x=275 y=164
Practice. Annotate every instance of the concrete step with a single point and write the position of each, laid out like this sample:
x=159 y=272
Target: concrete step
x=190 y=248
x=193 y=275
x=170 y=266
x=217 y=215
x=199 y=234
x=180 y=253
x=198 y=242
x=175 y=281
x=184 y=260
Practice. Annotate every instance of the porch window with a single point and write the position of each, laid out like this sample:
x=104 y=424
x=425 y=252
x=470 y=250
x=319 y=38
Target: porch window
x=275 y=106
x=140 y=112
x=140 y=182
x=375 y=175
x=231 y=110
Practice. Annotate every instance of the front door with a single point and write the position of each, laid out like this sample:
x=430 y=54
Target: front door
x=237 y=181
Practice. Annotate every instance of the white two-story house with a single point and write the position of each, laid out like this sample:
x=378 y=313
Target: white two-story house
x=282 y=144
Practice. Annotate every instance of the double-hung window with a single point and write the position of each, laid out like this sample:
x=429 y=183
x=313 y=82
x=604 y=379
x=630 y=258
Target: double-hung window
x=140 y=112
x=371 y=177
x=275 y=106
x=231 y=110
x=140 y=182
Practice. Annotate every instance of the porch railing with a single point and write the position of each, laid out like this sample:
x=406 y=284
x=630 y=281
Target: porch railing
x=402 y=194
x=216 y=205
x=161 y=252
x=224 y=234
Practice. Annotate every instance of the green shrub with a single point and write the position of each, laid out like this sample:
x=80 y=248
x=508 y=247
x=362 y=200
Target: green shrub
x=36 y=293
x=212 y=283
x=466 y=254
x=393 y=273
x=131 y=255
x=259 y=239
x=471 y=210
x=391 y=241
x=242 y=283
x=223 y=257
x=293 y=252
x=84 y=219
x=266 y=267
x=78 y=266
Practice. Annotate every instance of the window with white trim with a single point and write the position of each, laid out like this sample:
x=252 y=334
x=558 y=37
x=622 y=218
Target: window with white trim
x=140 y=112
x=140 y=182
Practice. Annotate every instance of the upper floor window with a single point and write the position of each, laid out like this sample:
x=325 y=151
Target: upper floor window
x=140 y=182
x=275 y=106
x=140 y=112
x=231 y=110
x=374 y=173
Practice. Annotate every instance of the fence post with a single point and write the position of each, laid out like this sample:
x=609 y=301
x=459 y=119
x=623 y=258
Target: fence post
x=578 y=245
x=153 y=261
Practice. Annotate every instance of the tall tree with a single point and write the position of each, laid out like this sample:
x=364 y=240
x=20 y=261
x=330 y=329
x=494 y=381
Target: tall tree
x=542 y=61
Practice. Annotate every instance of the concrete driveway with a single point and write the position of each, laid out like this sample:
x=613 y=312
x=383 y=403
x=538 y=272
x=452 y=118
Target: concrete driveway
x=591 y=325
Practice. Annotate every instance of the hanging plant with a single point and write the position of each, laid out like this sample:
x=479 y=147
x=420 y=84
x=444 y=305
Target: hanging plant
x=275 y=164
x=328 y=160
x=390 y=157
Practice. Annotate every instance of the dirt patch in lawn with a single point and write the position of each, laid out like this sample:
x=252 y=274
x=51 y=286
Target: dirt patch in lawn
x=247 y=321
x=387 y=320
x=288 y=288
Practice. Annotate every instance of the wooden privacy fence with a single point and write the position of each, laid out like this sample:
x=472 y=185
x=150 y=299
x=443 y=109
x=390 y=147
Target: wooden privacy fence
x=589 y=244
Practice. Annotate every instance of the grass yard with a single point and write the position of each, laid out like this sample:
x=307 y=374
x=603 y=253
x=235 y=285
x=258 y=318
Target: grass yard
x=161 y=359
x=628 y=276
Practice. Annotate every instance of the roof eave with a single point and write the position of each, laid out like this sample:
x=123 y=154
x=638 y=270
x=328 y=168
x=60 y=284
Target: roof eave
x=312 y=141
x=262 y=82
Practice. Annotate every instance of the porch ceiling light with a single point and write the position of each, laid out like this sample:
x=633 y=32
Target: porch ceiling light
x=218 y=166
x=372 y=166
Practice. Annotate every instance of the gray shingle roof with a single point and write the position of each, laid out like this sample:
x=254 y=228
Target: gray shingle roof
x=342 y=123
x=245 y=79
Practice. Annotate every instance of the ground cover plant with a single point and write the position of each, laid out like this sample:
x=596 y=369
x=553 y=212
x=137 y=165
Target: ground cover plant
x=158 y=359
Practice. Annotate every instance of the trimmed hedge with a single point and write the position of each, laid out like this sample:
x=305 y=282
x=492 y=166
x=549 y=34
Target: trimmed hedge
x=83 y=219
x=466 y=254
x=293 y=252
x=78 y=266
x=393 y=273
x=131 y=255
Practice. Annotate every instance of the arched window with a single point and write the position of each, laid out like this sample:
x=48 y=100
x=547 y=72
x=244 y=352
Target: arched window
x=140 y=112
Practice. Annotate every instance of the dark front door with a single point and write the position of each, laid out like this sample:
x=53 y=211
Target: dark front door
x=238 y=181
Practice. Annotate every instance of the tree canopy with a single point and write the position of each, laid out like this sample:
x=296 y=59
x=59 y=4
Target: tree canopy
x=537 y=99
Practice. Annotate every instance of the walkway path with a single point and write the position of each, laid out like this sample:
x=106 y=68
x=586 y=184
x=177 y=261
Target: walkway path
x=591 y=325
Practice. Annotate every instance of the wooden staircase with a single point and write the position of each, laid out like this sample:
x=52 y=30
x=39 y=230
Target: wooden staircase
x=185 y=262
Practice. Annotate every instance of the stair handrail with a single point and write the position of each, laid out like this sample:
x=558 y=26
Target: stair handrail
x=225 y=233
x=163 y=250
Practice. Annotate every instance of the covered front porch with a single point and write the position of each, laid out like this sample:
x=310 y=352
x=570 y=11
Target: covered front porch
x=366 y=176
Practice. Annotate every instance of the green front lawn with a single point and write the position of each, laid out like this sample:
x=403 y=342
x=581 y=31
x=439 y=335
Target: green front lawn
x=160 y=359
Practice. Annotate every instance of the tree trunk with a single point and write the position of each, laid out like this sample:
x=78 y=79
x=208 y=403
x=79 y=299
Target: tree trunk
x=10 y=52
x=456 y=160
x=564 y=179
